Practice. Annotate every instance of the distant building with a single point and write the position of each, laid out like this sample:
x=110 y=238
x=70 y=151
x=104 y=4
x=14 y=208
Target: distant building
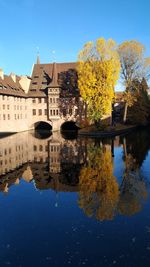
x=49 y=96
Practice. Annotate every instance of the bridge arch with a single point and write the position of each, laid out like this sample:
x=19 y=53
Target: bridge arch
x=42 y=125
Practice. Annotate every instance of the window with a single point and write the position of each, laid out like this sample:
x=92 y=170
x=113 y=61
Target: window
x=41 y=148
x=33 y=100
x=35 y=148
x=53 y=100
x=7 y=106
x=51 y=112
x=76 y=112
x=4 y=117
x=8 y=116
x=40 y=100
x=45 y=100
x=3 y=106
x=64 y=112
x=45 y=111
x=3 y=97
x=54 y=112
x=36 y=76
x=70 y=111
x=34 y=111
x=34 y=82
x=57 y=112
x=40 y=112
x=50 y=100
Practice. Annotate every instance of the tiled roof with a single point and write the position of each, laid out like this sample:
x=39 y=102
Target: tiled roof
x=46 y=75
x=9 y=87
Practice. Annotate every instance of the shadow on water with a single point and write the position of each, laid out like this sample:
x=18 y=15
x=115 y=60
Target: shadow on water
x=2 y=135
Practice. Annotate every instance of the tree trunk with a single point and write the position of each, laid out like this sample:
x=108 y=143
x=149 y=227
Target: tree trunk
x=125 y=113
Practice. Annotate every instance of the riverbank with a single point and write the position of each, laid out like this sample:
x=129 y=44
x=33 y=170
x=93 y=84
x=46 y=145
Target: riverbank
x=119 y=129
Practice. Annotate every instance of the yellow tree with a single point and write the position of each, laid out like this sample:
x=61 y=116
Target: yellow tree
x=134 y=66
x=129 y=99
x=98 y=72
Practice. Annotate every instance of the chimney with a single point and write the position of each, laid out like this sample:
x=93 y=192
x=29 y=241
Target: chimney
x=1 y=74
x=13 y=76
x=25 y=83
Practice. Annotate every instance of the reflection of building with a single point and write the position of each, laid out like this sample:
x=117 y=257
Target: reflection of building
x=81 y=165
x=24 y=156
x=49 y=96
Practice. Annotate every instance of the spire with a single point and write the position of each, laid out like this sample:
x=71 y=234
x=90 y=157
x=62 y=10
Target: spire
x=38 y=59
x=54 y=82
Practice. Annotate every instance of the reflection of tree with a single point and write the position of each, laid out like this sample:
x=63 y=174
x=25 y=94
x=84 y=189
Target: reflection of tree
x=138 y=144
x=133 y=189
x=98 y=187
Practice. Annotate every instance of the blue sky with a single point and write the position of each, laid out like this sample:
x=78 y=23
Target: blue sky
x=61 y=27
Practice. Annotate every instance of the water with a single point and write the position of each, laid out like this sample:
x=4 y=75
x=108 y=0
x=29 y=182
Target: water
x=68 y=201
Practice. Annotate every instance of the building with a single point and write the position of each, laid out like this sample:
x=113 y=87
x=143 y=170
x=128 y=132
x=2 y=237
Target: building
x=52 y=162
x=48 y=98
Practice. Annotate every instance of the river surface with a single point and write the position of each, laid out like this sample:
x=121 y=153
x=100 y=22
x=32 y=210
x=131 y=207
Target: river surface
x=72 y=201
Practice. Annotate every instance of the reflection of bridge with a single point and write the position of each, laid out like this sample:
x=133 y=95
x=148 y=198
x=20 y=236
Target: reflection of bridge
x=48 y=161
x=78 y=165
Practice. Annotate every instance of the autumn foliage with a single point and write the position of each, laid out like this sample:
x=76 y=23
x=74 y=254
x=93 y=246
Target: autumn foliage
x=98 y=187
x=98 y=72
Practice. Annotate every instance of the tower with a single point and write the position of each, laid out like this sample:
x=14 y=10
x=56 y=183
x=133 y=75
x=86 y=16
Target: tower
x=53 y=95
